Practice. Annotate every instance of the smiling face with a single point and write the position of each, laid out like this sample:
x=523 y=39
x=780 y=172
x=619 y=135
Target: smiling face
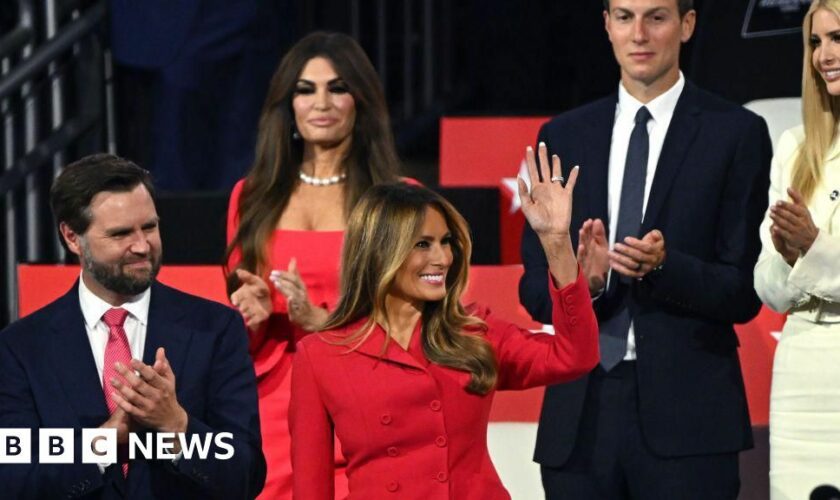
x=120 y=252
x=825 y=43
x=422 y=277
x=325 y=111
x=646 y=36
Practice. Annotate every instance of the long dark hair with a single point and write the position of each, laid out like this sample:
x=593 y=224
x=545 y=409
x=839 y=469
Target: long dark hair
x=372 y=157
x=381 y=232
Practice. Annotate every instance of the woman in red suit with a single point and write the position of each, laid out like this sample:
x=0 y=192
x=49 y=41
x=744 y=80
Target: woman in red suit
x=402 y=374
x=324 y=138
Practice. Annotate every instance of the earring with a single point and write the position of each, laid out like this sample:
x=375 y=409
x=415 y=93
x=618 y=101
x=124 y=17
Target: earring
x=295 y=133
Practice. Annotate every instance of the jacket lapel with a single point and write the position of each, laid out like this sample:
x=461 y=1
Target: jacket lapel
x=372 y=346
x=595 y=172
x=165 y=330
x=681 y=134
x=70 y=356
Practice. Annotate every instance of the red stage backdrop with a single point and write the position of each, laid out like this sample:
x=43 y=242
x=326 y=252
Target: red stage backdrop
x=489 y=152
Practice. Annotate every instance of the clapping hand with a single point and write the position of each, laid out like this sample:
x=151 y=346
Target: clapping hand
x=793 y=230
x=301 y=310
x=252 y=299
x=121 y=421
x=148 y=394
x=593 y=254
x=636 y=257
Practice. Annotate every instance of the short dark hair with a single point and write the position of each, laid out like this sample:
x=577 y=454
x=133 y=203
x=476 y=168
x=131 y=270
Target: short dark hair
x=80 y=181
x=682 y=5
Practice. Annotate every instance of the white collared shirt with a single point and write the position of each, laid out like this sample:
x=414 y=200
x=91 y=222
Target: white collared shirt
x=135 y=324
x=661 y=110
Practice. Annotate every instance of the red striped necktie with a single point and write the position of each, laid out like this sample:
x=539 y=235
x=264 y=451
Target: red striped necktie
x=116 y=350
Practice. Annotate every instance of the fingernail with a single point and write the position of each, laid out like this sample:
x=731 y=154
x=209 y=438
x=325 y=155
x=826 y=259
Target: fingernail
x=576 y=166
x=542 y=144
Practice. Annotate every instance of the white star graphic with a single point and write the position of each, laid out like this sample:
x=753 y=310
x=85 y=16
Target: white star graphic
x=512 y=186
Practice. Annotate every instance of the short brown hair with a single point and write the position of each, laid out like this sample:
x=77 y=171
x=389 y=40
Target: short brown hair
x=682 y=5
x=80 y=181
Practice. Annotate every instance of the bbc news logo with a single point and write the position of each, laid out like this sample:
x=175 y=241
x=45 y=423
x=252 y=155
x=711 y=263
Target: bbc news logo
x=99 y=446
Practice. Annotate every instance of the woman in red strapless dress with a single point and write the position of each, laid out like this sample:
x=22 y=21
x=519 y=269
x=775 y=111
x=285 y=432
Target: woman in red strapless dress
x=324 y=138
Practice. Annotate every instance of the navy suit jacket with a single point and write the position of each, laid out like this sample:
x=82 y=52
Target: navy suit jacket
x=48 y=379
x=708 y=197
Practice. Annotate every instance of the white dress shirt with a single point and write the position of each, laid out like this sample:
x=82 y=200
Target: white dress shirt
x=135 y=323
x=661 y=110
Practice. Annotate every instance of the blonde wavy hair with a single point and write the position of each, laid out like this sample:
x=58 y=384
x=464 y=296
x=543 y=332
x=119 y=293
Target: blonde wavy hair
x=819 y=112
x=381 y=232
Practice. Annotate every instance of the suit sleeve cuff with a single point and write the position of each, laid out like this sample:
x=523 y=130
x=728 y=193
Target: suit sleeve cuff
x=814 y=273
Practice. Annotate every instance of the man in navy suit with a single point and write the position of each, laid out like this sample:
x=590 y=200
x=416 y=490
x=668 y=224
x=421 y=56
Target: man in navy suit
x=672 y=188
x=122 y=351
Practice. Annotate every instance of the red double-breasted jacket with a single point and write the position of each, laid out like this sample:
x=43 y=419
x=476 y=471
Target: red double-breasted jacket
x=408 y=427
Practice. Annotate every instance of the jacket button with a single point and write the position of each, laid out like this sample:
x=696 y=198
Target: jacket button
x=393 y=486
x=435 y=405
x=385 y=419
x=573 y=321
x=569 y=299
x=440 y=441
x=571 y=310
x=393 y=451
x=442 y=477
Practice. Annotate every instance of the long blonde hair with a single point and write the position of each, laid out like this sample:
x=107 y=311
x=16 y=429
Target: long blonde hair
x=381 y=233
x=819 y=112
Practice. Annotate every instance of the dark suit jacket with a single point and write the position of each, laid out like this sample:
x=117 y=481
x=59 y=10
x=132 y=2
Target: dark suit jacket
x=708 y=197
x=48 y=379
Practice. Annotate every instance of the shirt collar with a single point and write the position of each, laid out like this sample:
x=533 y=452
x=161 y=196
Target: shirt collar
x=660 y=108
x=94 y=307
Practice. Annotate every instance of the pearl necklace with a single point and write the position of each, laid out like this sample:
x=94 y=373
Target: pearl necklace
x=322 y=181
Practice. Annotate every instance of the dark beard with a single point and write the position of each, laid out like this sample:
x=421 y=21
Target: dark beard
x=114 y=279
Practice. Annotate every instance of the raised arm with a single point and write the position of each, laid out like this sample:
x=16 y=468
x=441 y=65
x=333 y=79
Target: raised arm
x=532 y=359
x=527 y=359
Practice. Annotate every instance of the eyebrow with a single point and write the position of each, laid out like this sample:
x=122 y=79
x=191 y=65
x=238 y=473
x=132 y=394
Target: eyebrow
x=830 y=33
x=655 y=10
x=310 y=82
x=427 y=237
x=127 y=229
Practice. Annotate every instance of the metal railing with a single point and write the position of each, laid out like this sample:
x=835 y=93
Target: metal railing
x=409 y=43
x=54 y=95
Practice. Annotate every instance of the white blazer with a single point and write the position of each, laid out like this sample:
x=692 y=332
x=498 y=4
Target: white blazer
x=811 y=288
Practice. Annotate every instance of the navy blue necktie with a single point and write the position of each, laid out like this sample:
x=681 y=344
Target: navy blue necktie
x=614 y=330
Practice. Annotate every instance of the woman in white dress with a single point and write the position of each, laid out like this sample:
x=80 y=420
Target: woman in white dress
x=798 y=272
